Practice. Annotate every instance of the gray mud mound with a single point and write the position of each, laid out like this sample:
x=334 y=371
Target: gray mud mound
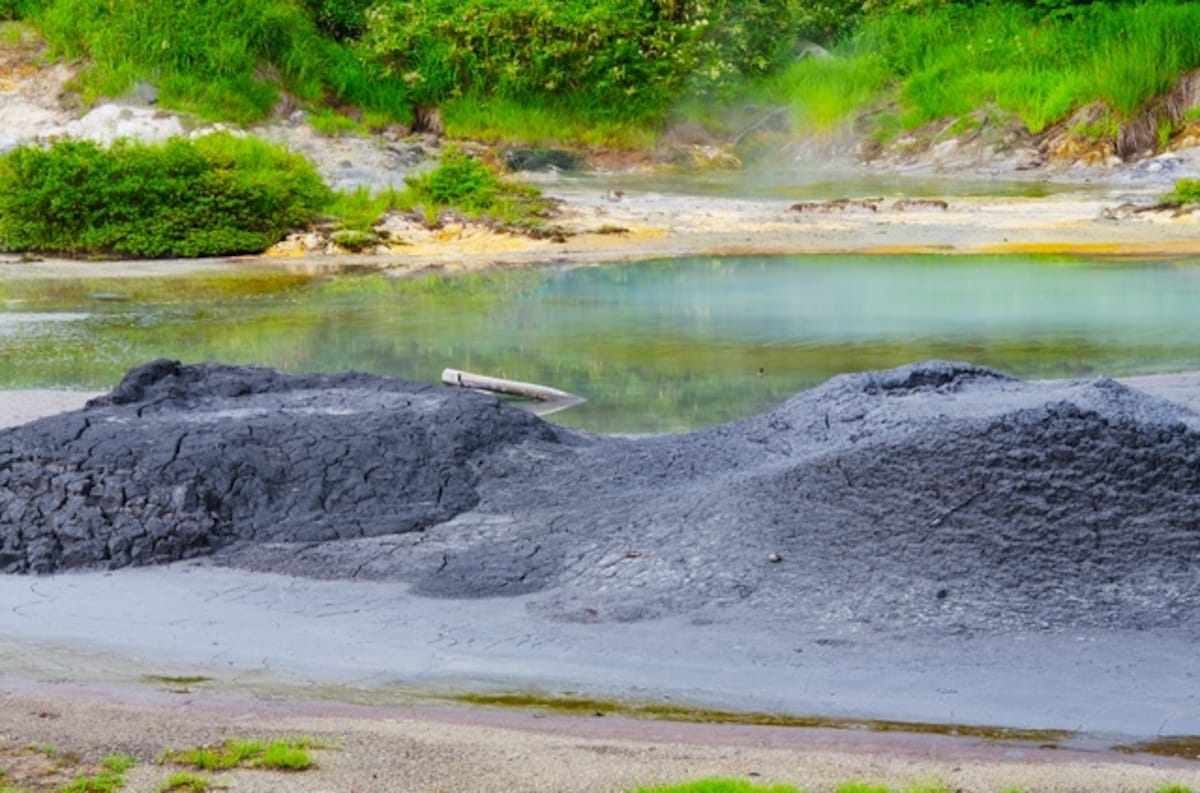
x=937 y=494
x=180 y=460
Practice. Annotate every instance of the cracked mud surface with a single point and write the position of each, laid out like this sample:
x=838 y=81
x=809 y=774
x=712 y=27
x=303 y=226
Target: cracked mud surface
x=942 y=496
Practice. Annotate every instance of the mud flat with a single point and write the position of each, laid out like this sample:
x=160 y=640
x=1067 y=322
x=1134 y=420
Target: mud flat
x=939 y=543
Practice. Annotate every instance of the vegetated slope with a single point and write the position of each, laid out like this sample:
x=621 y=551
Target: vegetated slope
x=614 y=72
x=1106 y=74
x=937 y=494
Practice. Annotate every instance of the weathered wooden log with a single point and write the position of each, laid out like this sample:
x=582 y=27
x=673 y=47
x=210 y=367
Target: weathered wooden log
x=550 y=400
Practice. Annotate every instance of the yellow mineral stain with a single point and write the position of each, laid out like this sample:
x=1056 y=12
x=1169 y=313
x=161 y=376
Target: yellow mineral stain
x=285 y=252
x=1129 y=248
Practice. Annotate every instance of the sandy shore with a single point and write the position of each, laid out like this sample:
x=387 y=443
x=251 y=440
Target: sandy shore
x=89 y=677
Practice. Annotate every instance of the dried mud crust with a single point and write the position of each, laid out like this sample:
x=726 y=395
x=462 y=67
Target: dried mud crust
x=938 y=494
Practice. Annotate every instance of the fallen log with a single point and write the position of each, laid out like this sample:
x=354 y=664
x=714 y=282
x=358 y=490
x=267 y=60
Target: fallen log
x=548 y=400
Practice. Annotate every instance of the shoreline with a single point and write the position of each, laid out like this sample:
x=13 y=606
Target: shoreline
x=461 y=750
x=660 y=225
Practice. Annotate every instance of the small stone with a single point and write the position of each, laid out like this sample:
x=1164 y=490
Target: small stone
x=774 y=557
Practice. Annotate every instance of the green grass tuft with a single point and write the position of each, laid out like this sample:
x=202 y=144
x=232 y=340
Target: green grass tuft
x=231 y=754
x=118 y=763
x=1174 y=787
x=100 y=783
x=186 y=781
x=285 y=755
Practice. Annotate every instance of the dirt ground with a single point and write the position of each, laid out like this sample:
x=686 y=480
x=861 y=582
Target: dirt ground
x=51 y=733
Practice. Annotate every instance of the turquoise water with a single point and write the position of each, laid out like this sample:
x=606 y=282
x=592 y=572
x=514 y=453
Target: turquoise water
x=654 y=346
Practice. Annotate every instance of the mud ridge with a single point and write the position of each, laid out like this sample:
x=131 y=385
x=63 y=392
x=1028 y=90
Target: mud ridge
x=938 y=494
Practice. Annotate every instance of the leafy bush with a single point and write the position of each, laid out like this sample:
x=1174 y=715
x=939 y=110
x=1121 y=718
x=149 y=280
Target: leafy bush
x=1187 y=191
x=466 y=184
x=621 y=59
x=342 y=19
x=619 y=54
x=213 y=196
x=19 y=9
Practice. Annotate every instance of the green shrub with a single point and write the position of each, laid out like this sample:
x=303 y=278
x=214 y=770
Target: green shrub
x=623 y=60
x=19 y=9
x=213 y=196
x=626 y=60
x=342 y=19
x=1187 y=191
x=464 y=183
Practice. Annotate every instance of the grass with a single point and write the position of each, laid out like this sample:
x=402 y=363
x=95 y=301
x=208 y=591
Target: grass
x=535 y=121
x=118 y=763
x=284 y=755
x=231 y=754
x=360 y=210
x=98 y=783
x=186 y=781
x=221 y=59
x=821 y=95
x=948 y=61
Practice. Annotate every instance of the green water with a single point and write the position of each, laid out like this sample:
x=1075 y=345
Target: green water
x=654 y=346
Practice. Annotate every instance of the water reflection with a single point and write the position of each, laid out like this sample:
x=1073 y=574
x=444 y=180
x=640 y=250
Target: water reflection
x=655 y=346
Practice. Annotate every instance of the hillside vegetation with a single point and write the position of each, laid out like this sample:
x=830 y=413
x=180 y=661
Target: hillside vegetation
x=617 y=71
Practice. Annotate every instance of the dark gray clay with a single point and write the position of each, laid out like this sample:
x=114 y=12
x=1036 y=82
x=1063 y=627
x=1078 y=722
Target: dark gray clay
x=938 y=494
